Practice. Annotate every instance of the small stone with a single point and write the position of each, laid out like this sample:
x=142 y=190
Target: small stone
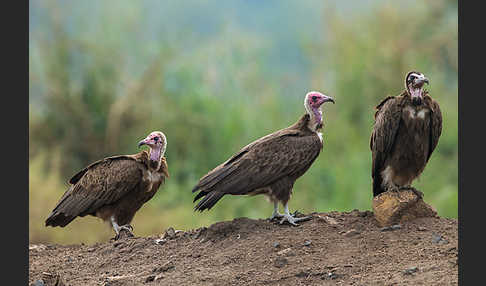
x=410 y=270
x=332 y=275
x=285 y=251
x=302 y=274
x=437 y=238
x=421 y=228
x=150 y=278
x=276 y=244
x=280 y=262
x=307 y=243
x=160 y=241
x=351 y=232
x=391 y=228
x=38 y=282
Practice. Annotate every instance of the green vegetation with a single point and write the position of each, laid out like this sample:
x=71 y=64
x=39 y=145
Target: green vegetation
x=103 y=75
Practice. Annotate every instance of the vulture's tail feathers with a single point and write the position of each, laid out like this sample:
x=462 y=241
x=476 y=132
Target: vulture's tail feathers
x=59 y=219
x=208 y=201
x=377 y=186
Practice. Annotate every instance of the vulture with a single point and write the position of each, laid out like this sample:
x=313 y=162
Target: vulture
x=269 y=165
x=405 y=133
x=114 y=188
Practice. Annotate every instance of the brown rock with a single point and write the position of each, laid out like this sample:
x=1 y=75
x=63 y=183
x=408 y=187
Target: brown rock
x=393 y=207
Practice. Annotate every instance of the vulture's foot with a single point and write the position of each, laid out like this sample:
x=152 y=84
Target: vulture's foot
x=275 y=215
x=124 y=231
x=418 y=193
x=293 y=220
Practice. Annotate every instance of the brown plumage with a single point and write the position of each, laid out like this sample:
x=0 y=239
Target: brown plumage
x=406 y=131
x=269 y=165
x=114 y=188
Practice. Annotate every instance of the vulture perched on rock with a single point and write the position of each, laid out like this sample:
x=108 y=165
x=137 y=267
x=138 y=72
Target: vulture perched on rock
x=269 y=165
x=406 y=131
x=114 y=188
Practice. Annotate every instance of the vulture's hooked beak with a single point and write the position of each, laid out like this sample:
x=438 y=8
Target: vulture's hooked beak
x=143 y=142
x=327 y=99
x=423 y=80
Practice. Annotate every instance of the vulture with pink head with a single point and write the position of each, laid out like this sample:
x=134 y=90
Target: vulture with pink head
x=406 y=131
x=114 y=188
x=269 y=165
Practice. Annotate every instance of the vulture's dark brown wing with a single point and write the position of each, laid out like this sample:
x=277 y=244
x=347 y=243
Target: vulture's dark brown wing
x=435 y=127
x=387 y=121
x=259 y=164
x=101 y=183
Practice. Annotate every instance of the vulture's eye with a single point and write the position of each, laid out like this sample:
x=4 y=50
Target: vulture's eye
x=156 y=139
x=412 y=77
x=314 y=98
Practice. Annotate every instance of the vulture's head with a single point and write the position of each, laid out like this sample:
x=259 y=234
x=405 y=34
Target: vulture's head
x=313 y=101
x=414 y=83
x=157 y=143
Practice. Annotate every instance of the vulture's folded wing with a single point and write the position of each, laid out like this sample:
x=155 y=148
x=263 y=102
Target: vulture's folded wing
x=435 y=127
x=101 y=183
x=387 y=121
x=261 y=163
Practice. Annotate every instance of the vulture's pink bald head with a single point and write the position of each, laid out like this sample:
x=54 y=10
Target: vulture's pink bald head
x=315 y=99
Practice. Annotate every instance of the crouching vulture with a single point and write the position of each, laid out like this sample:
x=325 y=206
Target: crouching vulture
x=269 y=165
x=114 y=188
x=406 y=131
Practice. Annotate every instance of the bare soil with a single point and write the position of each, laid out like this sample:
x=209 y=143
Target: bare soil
x=336 y=248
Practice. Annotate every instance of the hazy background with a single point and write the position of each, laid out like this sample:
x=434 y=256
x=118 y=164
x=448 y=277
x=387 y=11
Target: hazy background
x=216 y=75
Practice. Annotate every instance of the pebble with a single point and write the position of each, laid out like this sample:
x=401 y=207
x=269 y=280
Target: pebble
x=280 y=262
x=38 y=282
x=276 y=244
x=307 y=243
x=437 y=238
x=285 y=251
x=410 y=270
x=391 y=228
x=160 y=241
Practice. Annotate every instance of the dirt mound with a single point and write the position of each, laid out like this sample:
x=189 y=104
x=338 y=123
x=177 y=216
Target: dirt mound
x=330 y=249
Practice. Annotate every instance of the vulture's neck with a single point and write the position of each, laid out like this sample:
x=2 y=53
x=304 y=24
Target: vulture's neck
x=315 y=118
x=155 y=156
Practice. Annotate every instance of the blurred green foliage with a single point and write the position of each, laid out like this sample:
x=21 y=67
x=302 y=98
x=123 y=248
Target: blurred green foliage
x=103 y=75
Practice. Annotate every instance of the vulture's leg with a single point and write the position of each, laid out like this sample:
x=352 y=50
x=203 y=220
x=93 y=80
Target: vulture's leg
x=292 y=220
x=117 y=228
x=275 y=213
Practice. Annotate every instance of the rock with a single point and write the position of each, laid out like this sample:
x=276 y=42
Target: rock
x=421 y=228
x=393 y=207
x=410 y=270
x=287 y=251
x=276 y=244
x=280 y=262
x=38 y=282
x=150 y=278
x=391 y=228
x=307 y=243
x=160 y=241
x=437 y=238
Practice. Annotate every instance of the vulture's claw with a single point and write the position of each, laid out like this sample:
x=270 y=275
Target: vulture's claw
x=293 y=220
